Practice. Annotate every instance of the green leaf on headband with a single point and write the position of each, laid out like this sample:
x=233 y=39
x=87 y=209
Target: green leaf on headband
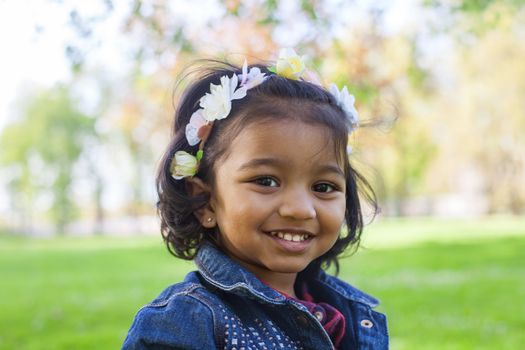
x=199 y=155
x=273 y=69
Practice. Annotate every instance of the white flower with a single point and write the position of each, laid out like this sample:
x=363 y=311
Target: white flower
x=183 y=165
x=218 y=103
x=289 y=64
x=252 y=78
x=346 y=102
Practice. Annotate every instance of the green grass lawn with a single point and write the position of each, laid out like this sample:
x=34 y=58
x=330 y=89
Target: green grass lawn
x=454 y=285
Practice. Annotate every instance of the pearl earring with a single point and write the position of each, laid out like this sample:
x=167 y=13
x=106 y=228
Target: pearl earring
x=209 y=220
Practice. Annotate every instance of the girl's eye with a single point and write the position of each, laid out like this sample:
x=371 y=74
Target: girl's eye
x=266 y=181
x=324 y=187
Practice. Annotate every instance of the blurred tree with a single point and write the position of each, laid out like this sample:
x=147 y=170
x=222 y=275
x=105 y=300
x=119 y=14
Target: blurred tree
x=137 y=121
x=161 y=30
x=101 y=91
x=390 y=86
x=490 y=104
x=41 y=148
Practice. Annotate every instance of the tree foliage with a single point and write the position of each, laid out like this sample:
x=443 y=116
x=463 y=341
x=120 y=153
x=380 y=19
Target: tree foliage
x=41 y=149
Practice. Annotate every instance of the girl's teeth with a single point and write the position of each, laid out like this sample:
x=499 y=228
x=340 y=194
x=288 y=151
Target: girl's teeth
x=290 y=237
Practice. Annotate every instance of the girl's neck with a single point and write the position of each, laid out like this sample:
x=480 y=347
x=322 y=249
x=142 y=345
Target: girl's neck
x=283 y=283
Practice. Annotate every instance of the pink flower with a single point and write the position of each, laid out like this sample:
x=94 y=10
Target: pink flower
x=252 y=78
x=197 y=121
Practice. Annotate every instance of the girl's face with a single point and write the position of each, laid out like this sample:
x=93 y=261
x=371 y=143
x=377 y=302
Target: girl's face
x=279 y=197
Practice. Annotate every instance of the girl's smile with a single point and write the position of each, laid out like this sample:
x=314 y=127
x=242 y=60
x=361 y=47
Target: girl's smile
x=279 y=198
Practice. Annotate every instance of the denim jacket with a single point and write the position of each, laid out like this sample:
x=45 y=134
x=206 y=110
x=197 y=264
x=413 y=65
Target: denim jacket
x=223 y=306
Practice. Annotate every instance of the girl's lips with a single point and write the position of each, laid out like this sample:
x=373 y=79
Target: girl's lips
x=293 y=242
x=291 y=236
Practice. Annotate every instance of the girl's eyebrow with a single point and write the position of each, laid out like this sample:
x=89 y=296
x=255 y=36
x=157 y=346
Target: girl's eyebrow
x=332 y=169
x=256 y=162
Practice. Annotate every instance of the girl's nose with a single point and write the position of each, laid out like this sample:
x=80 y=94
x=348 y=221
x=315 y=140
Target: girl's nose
x=297 y=204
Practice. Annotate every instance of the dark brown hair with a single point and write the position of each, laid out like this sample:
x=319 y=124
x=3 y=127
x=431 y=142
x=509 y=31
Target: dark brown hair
x=276 y=98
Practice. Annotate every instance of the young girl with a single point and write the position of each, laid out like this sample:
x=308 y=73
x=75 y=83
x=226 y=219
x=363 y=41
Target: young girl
x=257 y=188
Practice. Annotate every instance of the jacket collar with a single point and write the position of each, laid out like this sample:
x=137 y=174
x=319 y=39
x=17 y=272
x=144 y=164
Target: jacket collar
x=346 y=290
x=222 y=272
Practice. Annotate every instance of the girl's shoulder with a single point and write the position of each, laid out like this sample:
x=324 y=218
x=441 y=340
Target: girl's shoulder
x=184 y=307
x=191 y=292
x=176 y=292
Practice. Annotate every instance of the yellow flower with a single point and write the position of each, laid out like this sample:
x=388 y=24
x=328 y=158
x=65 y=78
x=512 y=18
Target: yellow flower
x=289 y=64
x=183 y=165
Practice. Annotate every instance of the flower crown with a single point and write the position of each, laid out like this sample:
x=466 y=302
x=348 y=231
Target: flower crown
x=217 y=104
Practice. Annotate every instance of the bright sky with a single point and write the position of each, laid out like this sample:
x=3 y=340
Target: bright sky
x=33 y=34
x=24 y=58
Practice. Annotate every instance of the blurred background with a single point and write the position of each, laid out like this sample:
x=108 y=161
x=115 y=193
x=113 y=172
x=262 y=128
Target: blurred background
x=87 y=97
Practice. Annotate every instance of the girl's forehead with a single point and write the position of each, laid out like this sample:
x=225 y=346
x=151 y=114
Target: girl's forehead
x=286 y=139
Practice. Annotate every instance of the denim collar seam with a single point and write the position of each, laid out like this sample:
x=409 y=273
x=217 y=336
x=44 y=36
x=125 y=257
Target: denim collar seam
x=357 y=295
x=166 y=301
x=237 y=286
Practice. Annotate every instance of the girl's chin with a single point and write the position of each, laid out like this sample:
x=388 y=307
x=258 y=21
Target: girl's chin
x=289 y=268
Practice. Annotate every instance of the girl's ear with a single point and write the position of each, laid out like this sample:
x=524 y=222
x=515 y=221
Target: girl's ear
x=206 y=215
